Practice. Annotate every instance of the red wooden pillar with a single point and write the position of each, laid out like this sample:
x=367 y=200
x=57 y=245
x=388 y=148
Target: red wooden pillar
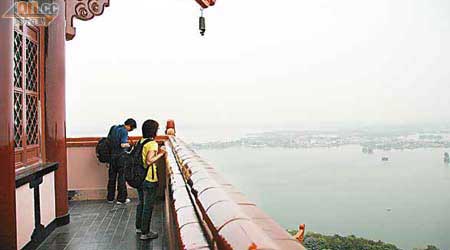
x=55 y=120
x=8 y=228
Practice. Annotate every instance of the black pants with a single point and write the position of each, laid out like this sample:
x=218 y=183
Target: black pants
x=116 y=176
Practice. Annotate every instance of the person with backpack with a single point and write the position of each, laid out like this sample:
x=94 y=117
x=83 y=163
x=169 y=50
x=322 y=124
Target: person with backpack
x=148 y=189
x=118 y=139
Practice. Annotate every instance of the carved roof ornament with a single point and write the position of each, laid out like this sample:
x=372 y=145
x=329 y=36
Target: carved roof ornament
x=83 y=10
x=88 y=9
x=206 y=3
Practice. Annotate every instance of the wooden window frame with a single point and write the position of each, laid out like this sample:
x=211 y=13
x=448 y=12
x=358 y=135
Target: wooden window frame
x=29 y=155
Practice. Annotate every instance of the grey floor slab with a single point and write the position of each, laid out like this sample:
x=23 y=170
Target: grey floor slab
x=98 y=225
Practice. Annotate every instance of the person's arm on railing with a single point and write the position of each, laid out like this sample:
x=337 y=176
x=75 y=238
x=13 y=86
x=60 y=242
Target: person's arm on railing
x=153 y=156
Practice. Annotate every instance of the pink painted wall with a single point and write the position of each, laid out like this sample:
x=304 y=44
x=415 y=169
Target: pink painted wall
x=24 y=214
x=25 y=208
x=47 y=199
x=84 y=172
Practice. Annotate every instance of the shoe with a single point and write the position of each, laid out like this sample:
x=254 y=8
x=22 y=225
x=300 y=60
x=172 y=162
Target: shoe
x=110 y=202
x=138 y=231
x=123 y=203
x=149 y=236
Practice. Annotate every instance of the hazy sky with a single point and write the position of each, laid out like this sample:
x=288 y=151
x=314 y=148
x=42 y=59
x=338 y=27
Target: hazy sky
x=261 y=63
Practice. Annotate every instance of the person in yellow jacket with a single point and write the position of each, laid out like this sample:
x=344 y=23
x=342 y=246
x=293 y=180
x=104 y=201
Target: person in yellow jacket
x=147 y=192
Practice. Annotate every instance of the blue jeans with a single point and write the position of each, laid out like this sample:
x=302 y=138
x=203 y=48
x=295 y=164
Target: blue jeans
x=147 y=198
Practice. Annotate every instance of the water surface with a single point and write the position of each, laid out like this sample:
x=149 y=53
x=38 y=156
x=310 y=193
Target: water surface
x=405 y=201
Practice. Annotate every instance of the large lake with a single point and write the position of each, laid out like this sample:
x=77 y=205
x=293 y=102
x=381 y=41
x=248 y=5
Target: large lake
x=405 y=201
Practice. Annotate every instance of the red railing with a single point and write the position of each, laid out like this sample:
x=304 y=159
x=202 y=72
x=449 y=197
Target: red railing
x=92 y=141
x=233 y=221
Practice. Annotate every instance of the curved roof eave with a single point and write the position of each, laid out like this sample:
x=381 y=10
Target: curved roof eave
x=206 y=3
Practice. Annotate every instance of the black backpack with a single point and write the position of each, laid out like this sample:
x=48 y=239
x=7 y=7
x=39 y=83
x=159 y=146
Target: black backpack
x=132 y=164
x=104 y=148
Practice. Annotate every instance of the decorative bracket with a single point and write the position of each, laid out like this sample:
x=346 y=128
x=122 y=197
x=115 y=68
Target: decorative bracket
x=88 y=9
x=83 y=10
x=206 y=3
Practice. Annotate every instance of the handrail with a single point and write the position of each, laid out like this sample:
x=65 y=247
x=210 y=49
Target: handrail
x=77 y=142
x=235 y=222
x=192 y=233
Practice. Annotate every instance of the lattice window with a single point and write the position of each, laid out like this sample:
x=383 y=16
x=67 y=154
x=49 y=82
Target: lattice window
x=31 y=79
x=27 y=95
x=18 y=115
x=32 y=120
x=18 y=65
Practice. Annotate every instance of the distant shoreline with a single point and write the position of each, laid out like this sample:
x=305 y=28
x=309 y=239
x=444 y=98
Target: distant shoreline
x=367 y=140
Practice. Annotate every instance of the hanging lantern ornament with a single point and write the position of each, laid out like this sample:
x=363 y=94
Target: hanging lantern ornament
x=202 y=23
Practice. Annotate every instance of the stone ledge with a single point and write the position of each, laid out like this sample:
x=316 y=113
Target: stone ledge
x=29 y=174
